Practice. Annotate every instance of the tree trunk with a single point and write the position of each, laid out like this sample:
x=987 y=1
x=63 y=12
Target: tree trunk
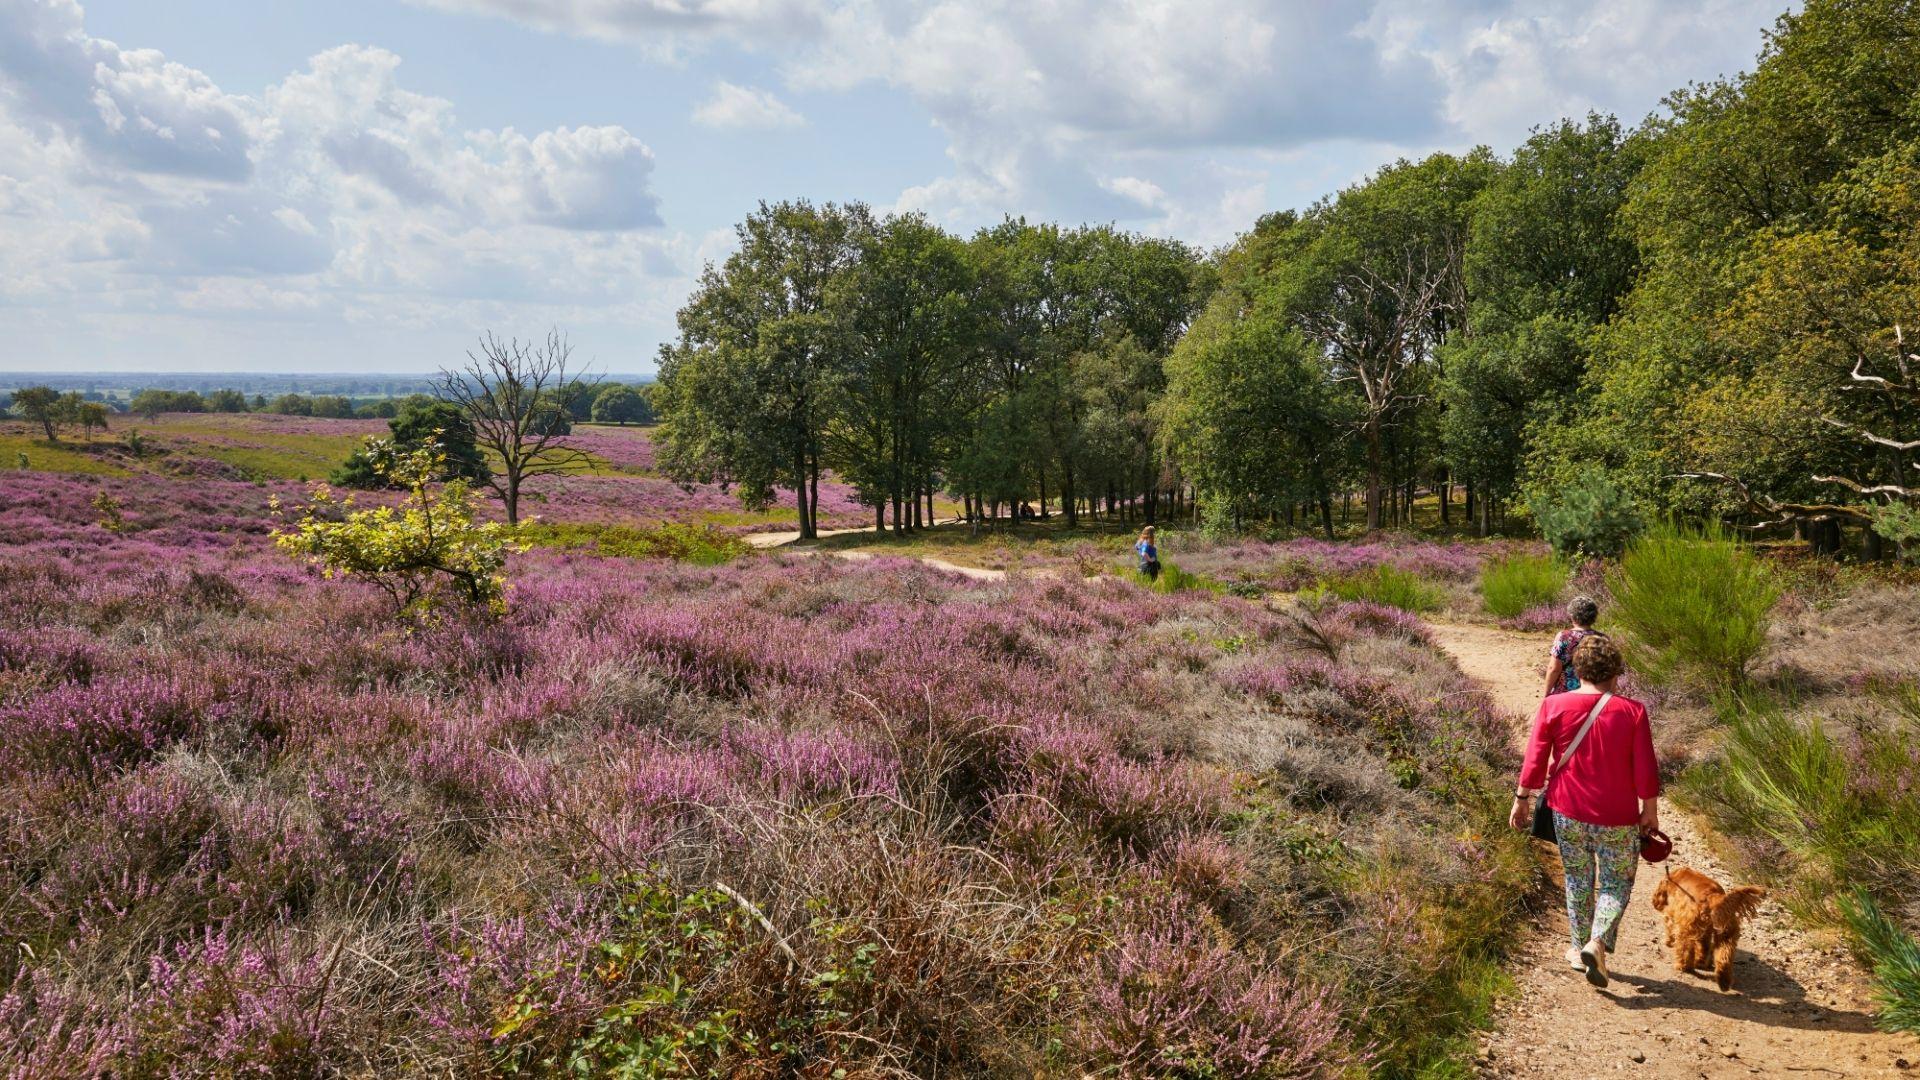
x=800 y=492
x=1375 y=482
x=1326 y=516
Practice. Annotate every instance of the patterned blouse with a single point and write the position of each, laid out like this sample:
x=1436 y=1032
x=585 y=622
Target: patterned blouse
x=1563 y=646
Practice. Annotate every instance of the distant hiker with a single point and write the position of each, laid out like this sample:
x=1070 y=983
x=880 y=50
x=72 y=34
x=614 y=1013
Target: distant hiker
x=1560 y=677
x=1602 y=794
x=1148 y=553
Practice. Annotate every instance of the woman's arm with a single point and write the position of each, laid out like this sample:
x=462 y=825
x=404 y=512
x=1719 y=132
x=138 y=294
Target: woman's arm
x=1557 y=669
x=1533 y=769
x=1646 y=774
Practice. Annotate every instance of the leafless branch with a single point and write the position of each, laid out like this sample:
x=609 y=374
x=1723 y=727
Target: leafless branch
x=512 y=393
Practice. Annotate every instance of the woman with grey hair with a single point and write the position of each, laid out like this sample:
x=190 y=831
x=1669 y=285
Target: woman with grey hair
x=1560 y=676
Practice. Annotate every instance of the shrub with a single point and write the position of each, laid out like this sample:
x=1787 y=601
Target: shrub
x=1391 y=586
x=1692 y=603
x=1895 y=957
x=1517 y=583
x=1592 y=515
x=420 y=554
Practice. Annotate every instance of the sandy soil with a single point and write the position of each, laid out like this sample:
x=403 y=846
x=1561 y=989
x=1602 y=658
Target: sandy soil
x=783 y=539
x=1799 y=1006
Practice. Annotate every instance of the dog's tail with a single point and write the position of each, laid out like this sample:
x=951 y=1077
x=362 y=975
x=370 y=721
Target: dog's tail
x=1727 y=910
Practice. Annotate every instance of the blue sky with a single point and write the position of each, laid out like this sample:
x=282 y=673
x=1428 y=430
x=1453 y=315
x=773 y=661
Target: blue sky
x=354 y=185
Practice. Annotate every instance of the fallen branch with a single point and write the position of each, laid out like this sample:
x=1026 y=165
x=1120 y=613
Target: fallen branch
x=760 y=917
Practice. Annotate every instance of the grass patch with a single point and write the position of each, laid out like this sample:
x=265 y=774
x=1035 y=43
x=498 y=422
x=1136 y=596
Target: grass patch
x=684 y=543
x=52 y=457
x=1172 y=579
x=1894 y=956
x=1388 y=585
x=1519 y=583
x=1694 y=604
x=1833 y=811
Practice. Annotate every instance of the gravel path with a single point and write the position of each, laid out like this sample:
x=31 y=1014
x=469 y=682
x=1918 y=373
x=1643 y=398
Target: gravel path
x=1798 y=1008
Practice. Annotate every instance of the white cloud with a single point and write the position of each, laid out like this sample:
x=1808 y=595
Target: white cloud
x=745 y=108
x=1067 y=107
x=132 y=108
x=132 y=183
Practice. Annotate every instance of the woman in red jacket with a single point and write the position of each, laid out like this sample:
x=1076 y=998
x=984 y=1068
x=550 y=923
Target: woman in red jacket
x=1605 y=794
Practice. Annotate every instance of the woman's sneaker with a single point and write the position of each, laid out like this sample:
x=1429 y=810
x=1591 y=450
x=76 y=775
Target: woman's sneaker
x=1574 y=961
x=1595 y=958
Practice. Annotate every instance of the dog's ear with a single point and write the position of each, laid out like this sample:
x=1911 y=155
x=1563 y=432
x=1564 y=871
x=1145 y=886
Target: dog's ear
x=1660 y=896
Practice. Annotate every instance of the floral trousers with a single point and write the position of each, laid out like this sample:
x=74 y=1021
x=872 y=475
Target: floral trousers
x=1599 y=861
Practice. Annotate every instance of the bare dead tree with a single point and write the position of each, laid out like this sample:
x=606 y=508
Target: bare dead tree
x=1377 y=330
x=518 y=397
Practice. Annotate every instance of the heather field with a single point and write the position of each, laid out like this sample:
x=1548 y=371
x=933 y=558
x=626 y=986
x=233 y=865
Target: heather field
x=261 y=451
x=787 y=815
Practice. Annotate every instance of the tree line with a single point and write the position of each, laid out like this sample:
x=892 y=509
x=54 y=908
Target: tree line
x=1700 y=314
x=1012 y=369
x=599 y=402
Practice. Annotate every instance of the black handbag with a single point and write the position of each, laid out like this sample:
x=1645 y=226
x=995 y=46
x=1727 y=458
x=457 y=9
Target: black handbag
x=1542 y=816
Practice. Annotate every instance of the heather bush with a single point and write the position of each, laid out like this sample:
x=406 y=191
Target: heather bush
x=1692 y=604
x=1521 y=582
x=250 y=825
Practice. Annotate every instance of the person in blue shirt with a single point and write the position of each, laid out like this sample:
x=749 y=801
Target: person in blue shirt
x=1148 y=553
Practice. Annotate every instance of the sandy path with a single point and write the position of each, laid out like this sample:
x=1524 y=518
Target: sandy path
x=1798 y=1008
x=783 y=539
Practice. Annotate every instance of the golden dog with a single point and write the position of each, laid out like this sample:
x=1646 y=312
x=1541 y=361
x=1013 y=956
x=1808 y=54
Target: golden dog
x=1703 y=920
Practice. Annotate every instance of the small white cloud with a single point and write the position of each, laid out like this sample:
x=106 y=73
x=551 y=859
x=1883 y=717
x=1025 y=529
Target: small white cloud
x=745 y=108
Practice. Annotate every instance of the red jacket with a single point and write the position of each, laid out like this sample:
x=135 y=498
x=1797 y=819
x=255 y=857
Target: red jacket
x=1611 y=772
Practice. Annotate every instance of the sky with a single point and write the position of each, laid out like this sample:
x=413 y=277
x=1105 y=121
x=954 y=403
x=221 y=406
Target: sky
x=366 y=185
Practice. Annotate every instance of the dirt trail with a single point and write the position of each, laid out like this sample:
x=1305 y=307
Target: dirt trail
x=784 y=539
x=1797 y=1009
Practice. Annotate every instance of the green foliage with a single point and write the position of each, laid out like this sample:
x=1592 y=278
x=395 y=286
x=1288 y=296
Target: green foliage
x=1389 y=585
x=424 y=553
x=1692 y=603
x=227 y=401
x=1898 y=522
x=697 y=993
x=43 y=406
x=108 y=508
x=1172 y=579
x=1589 y=515
x=1895 y=957
x=1519 y=583
x=702 y=545
x=1840 y=804
x=417 y=425
x=621 y=404
x=151 y=403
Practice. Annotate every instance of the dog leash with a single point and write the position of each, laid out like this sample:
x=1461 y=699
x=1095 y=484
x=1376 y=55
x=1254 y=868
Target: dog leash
x=1689 y=895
